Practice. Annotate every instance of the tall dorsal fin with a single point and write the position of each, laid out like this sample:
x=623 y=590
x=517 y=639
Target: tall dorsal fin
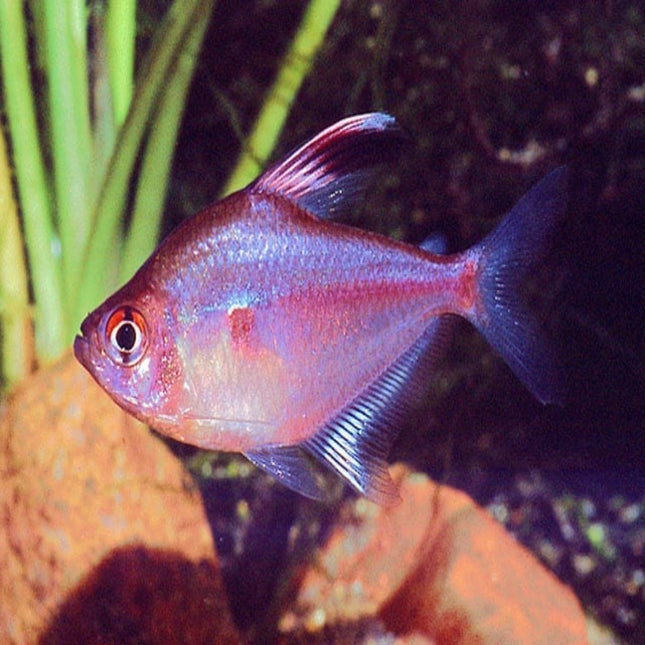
x=329 y=173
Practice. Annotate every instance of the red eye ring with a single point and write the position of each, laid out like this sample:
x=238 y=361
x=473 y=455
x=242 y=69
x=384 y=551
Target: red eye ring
x=126 y=335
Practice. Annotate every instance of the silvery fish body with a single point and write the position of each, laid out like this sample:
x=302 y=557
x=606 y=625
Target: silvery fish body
x=261 y=326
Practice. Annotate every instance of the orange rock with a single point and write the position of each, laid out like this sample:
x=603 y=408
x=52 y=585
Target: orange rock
x=101 y=528
x=440 y=566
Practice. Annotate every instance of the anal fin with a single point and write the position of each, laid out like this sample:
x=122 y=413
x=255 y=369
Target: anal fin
x=356 y=442
x=291 y=466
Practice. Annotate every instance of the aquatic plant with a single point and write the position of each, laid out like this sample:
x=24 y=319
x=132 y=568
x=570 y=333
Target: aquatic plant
x=90 y=146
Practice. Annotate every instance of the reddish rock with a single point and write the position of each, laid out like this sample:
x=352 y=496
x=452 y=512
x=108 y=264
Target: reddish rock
x=103 y=538
x=436 y=565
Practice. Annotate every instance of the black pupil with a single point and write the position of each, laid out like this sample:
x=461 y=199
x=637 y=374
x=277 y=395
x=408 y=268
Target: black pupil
x=126 y=337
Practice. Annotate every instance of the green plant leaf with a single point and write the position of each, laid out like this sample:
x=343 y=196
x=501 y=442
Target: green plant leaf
x=41 y=241
x=120 y=33
x=104 y=128
x=65 y=27
x=15 y=317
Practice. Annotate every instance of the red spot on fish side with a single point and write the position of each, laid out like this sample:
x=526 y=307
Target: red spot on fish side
x=241 y=324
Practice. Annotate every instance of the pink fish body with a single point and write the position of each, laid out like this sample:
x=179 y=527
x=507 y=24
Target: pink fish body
x=262 y=327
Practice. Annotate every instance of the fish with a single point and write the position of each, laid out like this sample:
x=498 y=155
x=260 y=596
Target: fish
x=263 y=325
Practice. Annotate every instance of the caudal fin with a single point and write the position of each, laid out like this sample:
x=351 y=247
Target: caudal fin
x=506 y=255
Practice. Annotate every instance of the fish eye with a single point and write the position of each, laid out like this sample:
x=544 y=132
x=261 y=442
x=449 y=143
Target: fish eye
x=127 y=336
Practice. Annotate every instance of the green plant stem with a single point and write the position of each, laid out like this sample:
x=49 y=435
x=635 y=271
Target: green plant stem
x=65 y=26
x=145 y=225
x=102 y=112
x=294 y=69
x=179 y=22
x=15 y=320
x=32 y=185
x=120 y=33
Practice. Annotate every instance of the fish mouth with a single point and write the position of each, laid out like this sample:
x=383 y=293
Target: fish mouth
x=82 y=345
x=82 y=350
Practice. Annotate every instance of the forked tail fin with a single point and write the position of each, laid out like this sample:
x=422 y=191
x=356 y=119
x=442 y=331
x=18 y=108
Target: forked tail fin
x=505 y=257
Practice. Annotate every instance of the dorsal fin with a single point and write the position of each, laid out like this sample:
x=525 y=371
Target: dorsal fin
x=329 y=173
